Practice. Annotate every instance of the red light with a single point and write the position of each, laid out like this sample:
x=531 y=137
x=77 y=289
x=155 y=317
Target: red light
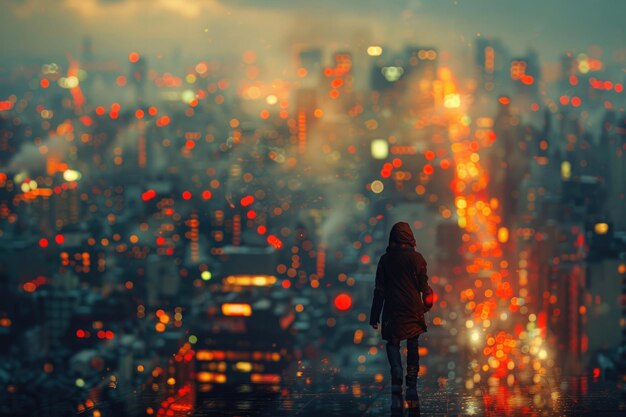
x=160 y=240
x=365 y=259
x=261 y=230
x=429 y=155
x=99 y=110
x=534 y=107
x=86 y=120
x=186 y=195
x=59 y=239
x=608 y=85
x=109 y=334
x=286 y=284
x=5 y=105
x=337 y=82
x=139 y=114
x=43 y=242
x=274 y=241
x=251 y=214
x=190 y=144
x=597 y=84
x=444 y=164
x=120 y=81
x=573 y=80
x=527 y=79
x=44 y=83
x=564 y=100
x=397 y=163
x=101 y=334
x=619 y=88
x=596 y=372
x=133 y=57
x=247 y=200
x=152 y=111
x=80 y=333
x=504 y=100
x=343 y=302
x=148 y=195
x=163 y=121
x=576 y=101
x=428 y=169
x=206 y=194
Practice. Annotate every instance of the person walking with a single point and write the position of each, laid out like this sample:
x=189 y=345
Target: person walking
x=403 y=295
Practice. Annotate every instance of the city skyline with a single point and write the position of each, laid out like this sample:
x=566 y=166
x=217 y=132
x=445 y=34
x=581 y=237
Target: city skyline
x=222 y=28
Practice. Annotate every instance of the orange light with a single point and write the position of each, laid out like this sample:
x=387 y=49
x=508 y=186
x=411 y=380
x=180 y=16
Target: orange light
x=237 y=309
x=251 y=280
x=211 y=377
x=265 y=378
x=503 y=235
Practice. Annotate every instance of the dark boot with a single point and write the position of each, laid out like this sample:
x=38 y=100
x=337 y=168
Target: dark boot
x=397 y=403
x=411 y=387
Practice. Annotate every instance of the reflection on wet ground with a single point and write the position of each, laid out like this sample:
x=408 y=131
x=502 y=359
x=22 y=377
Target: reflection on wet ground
x=580 y=398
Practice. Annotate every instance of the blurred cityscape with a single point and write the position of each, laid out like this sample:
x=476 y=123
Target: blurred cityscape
x=195 y=239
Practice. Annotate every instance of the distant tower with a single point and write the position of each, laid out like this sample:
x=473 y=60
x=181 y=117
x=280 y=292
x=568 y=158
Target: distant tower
x=491 y=62
x=310 y=67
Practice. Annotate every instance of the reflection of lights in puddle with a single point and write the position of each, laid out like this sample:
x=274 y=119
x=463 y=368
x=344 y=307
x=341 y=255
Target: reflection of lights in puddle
x=472 y=408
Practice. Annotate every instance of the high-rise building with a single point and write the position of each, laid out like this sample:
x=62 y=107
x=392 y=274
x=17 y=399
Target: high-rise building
x=492 y=61
x=309 y=67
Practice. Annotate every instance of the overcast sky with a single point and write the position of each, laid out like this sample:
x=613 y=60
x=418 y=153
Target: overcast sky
x=206 y=28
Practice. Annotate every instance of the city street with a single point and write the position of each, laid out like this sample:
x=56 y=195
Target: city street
x=598 y=399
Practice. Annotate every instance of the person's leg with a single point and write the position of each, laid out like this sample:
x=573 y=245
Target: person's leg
x=395 y=363
x=412 y=369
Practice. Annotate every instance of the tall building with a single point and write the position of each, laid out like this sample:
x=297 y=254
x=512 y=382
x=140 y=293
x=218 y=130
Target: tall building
x=59 y=303
x=492 y=64
x=309 y=67
x=616 y=201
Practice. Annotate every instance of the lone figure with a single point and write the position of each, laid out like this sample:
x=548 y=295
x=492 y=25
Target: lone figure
x=403 y=295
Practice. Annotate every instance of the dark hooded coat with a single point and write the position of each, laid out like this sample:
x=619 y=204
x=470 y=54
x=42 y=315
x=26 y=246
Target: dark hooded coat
x=402 y=292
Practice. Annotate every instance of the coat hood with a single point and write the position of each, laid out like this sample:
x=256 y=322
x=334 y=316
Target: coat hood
x=401 y=234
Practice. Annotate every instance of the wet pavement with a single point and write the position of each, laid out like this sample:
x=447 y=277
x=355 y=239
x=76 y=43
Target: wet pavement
x=579 y=398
